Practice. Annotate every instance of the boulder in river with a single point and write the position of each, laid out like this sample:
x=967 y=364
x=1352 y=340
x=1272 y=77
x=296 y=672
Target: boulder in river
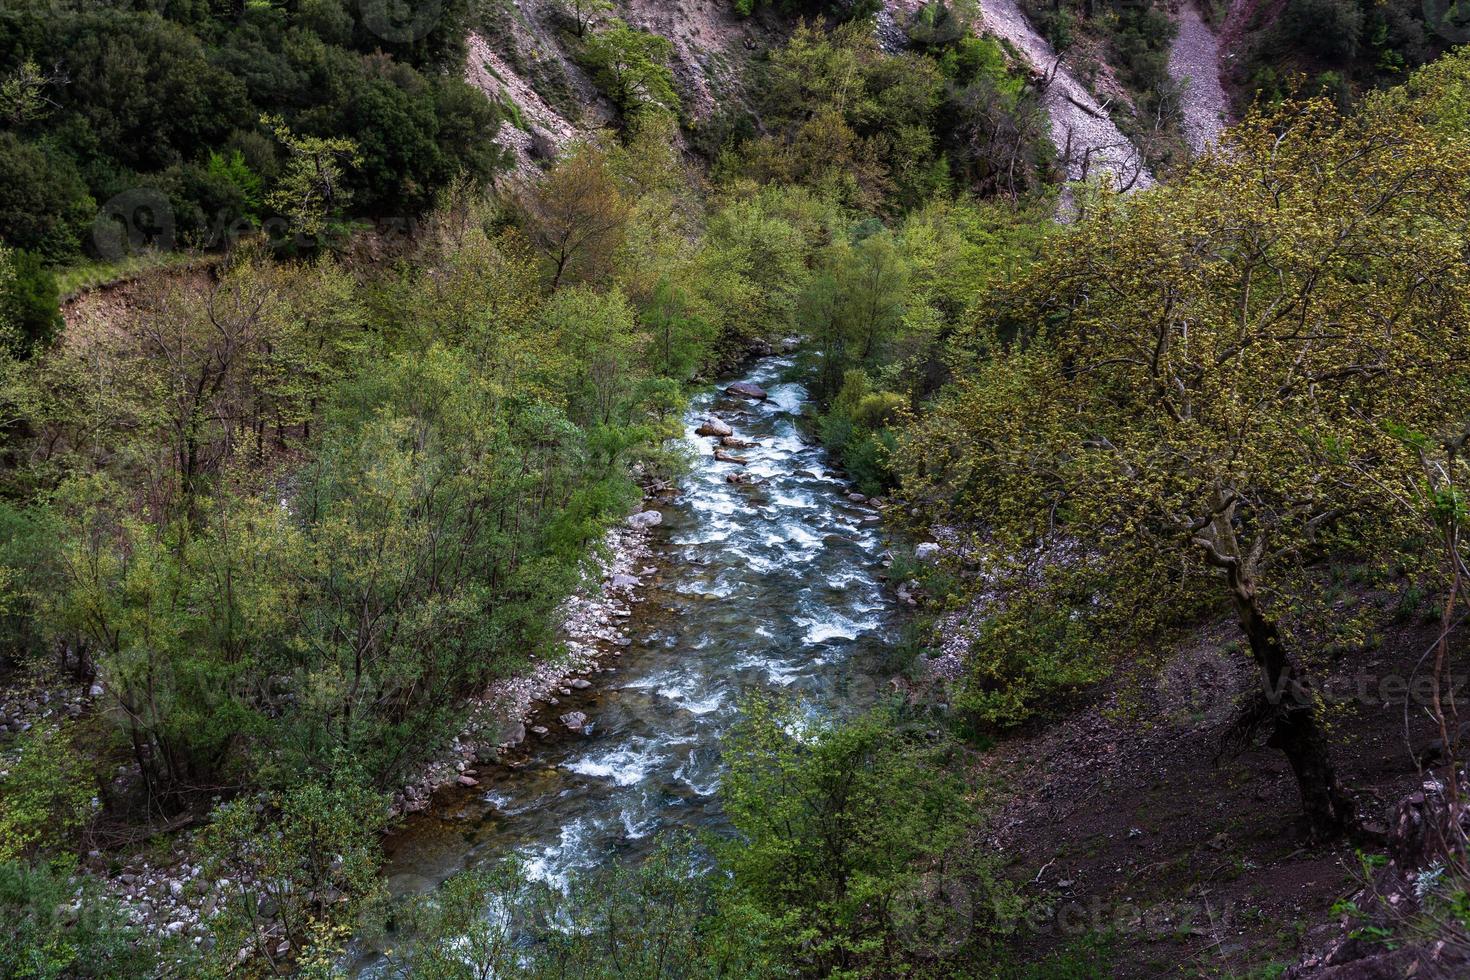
x=646 y=518
x=580 y=684
x=575 y=720
x=743 y=479
x=727 y=458
x=712 y=426
x=746 y=390
x=735 y=442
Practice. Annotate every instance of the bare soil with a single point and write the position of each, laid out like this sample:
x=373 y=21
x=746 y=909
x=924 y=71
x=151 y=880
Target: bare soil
x=1120 y=821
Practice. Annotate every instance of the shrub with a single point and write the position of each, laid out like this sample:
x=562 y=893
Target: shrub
x=46 y=798
x=855 y=852
x=304 y=857
x=56 y=927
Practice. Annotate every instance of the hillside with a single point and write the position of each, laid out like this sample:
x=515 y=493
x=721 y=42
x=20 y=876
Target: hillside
x=732 y=488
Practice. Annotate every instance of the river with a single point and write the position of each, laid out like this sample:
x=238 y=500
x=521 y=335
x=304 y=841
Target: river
x=772 y=586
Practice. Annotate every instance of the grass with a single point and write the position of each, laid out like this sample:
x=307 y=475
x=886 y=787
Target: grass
x=90 y=274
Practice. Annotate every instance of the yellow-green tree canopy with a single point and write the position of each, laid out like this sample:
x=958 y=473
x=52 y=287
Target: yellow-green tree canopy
x=1212 y=381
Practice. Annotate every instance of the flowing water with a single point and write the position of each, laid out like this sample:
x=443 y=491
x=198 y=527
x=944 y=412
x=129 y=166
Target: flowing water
x=772 y=586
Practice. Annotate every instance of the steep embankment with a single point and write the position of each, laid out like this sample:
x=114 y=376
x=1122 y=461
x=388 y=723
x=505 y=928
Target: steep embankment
x=527 y=58
x=1194 y=61
x=1087 y=139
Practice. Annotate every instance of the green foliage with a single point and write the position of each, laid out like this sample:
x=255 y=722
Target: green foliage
x=30 y=311
x=1340 y=47
x=848 y=832
x=304 y=858
x=310 y=192
x=243 y=184
x=1135 y=434
x=58 y=926
x=632 y=68
x=45 y=206
x=46 y=797
x=856 y=426
x=657 y=919
x=883 y=133
x=160 y=100
x=854 y=306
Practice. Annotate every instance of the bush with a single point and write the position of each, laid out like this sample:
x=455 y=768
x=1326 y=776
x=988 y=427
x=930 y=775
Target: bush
x=44 y=205
x=29 y=304
x=55 y=928
x=853 y=839
x=306 y=857
x=46 y=798
x=855 y=427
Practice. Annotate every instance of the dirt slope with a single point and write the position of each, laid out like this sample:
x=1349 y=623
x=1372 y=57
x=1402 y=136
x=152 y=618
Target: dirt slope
x=1194 y=60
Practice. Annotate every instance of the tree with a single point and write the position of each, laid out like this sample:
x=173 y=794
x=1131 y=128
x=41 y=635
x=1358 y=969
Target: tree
x=584 y=12
x=23 y=98
x=305 y=859
x=576 y=215
x=854 y=305
x=44 y=204
x=1213 y=373
x=846 y=831
x=310 y=191
x=632 y=67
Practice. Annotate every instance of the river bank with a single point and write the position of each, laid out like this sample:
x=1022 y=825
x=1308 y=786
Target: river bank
x=765 y=576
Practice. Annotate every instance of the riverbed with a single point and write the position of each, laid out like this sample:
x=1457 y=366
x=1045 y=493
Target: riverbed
x=772 y=586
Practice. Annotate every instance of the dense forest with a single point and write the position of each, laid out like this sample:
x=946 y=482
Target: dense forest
x=331 y=374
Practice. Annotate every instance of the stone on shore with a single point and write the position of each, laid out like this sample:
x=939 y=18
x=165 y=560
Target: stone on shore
x=646 y=518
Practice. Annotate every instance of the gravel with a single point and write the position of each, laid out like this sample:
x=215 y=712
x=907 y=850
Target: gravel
x=1086 y=138
x=1195 y=60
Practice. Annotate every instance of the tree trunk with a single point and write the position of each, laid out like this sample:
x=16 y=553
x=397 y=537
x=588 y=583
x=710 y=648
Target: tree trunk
x=1296 y=728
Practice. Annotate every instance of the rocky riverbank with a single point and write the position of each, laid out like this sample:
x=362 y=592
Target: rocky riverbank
x=173 y=897
x=592 y=632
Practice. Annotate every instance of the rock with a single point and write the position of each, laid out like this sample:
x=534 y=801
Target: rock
x=857 y=498
x=713 y=427
x=745 y=389
x=743 y=479
x=468 y=781
x=580 y=684
x=516 y=734
x=626 y=581
x=927 y=552
x=95 y=691
x=727 y=458
x=539 y=729
x=735 y=442
x=646 y=518
x=575 y=720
